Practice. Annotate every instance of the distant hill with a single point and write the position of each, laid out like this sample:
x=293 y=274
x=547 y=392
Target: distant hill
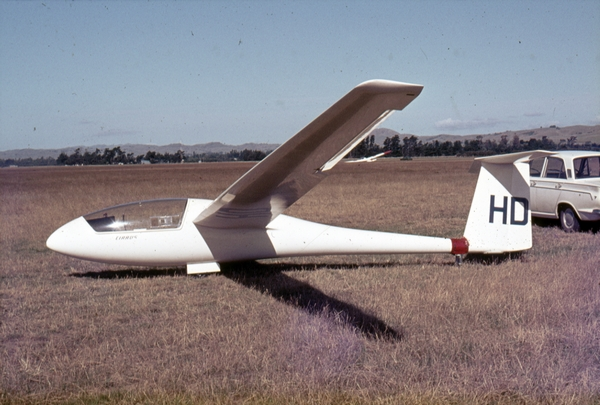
x=583 y=133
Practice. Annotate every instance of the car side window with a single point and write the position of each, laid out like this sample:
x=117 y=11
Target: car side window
x=587 y=167
x=536 y=166
x=555 y=168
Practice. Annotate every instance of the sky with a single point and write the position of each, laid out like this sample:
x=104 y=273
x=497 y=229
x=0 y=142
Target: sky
x=158 y=72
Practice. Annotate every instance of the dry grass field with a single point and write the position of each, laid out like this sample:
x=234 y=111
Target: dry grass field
x=411 y=329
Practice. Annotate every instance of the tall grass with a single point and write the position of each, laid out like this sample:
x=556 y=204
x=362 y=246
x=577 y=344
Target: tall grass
x=350 y=329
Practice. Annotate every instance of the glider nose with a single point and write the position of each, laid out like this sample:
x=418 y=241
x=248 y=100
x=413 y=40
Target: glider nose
x=56 y=241
x=68 y=238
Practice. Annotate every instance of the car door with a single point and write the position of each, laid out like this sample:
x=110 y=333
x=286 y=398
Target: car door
x=536 y=168
x=547 y=187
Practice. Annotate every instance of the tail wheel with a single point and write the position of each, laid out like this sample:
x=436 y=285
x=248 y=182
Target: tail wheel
x=568 y=220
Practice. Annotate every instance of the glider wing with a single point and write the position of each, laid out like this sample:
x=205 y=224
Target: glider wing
x=289 y=172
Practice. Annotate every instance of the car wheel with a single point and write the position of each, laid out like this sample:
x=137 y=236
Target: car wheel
x=568 y=220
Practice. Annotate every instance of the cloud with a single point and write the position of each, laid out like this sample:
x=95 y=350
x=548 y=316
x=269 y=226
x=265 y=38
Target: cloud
x=534 y=114
x=450 y=124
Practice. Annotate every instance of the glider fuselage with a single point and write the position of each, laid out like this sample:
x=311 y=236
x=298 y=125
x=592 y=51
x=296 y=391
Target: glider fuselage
x=105 y=237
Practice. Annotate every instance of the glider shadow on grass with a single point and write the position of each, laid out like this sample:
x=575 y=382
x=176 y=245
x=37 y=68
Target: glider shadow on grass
x=132 y=273
x=270 y=279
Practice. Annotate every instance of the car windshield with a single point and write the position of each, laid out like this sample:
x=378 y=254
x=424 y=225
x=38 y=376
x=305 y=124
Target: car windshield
x=153 y=214
x=587 y=167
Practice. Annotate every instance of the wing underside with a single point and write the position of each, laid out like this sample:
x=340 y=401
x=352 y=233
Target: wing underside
x=299 y=164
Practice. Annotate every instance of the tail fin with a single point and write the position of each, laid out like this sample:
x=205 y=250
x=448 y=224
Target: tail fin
x=500 y=220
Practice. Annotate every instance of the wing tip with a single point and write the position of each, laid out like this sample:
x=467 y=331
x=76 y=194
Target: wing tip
x=384 y=86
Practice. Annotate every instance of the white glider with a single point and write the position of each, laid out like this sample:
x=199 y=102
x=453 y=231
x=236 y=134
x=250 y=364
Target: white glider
x=246 y=222
x=370 y=159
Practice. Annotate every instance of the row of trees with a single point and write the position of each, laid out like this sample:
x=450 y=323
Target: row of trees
x=117 y=156
x=412 y=147
x=97 y=157
x=408 y=147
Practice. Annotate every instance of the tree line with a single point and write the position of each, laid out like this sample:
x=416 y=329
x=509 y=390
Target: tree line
x=410 y=147
x=407 y=148
x=116 y=156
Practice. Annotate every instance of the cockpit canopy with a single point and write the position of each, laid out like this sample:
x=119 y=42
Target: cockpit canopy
x=141 y=215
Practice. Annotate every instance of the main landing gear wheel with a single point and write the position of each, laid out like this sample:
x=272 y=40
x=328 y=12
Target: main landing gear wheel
x=569 y=221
